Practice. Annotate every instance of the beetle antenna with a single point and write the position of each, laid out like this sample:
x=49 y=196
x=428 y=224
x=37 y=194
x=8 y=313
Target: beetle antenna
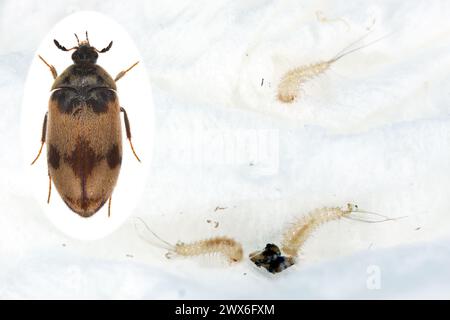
x=78 y=40
x=105 y=49
x=87 y=37
x=62 y=47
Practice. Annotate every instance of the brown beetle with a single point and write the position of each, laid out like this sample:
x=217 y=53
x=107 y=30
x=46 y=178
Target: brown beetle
x=83 y=132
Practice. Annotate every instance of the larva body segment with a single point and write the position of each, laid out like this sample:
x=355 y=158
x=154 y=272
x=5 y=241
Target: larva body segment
x=224 y=245
x=298 y=233
x=291 y=82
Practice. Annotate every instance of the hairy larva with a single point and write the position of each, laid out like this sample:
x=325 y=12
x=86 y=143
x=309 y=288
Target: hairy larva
x=292 y=81
x=230 y=248
x=225 y=246
x=300 y=231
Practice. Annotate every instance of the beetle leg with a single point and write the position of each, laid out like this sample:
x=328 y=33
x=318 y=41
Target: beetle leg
x=52 y=68
x=109 y=206
x=128 y=130
x=123 y=72
x=49 y=187
x=44 y=132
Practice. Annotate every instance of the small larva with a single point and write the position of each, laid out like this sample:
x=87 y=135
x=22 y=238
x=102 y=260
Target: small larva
x=290 y=84
x=226 y=246
x=297 y=233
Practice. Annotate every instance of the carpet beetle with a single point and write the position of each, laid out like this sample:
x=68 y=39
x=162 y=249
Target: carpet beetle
x=82 y=130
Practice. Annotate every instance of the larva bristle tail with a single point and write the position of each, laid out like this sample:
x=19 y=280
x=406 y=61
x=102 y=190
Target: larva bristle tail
x=292 y=81
x=347 y=50
x=143 y=230
x=368 y=216
x=222 y=245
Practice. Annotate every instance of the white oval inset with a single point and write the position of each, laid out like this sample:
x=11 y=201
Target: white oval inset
x=135 y=96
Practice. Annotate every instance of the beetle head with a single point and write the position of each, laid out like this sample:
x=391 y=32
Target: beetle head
x=84 y=52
